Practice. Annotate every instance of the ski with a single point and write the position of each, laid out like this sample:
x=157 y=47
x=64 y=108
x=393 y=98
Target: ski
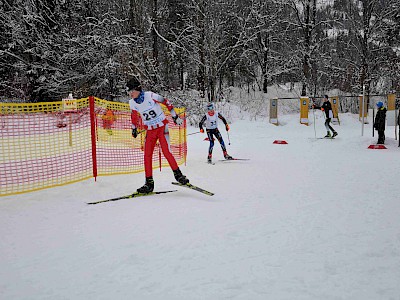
x=134 y=195
x=233 y=158
x=321 y=138
x=193 y=187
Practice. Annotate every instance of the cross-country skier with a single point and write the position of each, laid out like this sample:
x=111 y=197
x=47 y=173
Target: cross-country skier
x=211 y=121
x=327 y=108
x=156 y=125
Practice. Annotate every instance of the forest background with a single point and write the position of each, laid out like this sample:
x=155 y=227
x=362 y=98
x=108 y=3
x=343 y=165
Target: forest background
x=196 y=49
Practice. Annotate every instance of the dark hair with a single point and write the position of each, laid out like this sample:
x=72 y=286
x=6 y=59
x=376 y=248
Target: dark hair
x=326 y=96
x=133 y=84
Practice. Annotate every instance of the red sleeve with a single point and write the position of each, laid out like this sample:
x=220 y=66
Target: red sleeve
x=134 y=118
x=167 y=104
x=160 y=99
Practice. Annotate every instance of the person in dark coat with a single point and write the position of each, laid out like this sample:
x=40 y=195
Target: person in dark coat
x=380 y=122
x=398 y=123
x=326 y=107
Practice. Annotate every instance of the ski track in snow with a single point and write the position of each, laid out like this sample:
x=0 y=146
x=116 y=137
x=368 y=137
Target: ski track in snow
x=313 y=219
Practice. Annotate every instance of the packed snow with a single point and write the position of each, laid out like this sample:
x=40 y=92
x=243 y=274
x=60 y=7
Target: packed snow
x=311 y=219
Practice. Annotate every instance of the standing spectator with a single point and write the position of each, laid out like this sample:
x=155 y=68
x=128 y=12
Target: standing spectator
x=398 y=123
x=380 y=122
x=327 y=108
x=156 y=126
x=108 y=120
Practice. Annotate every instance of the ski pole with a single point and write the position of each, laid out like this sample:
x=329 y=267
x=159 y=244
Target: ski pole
x=229 y=141
x=373 y=122
x=313 y=112
x=193 y=133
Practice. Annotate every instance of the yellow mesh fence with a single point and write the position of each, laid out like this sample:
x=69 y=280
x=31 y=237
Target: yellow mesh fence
x=44 y=146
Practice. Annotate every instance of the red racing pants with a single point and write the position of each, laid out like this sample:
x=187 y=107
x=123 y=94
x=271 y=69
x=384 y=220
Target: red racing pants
x=151 y=139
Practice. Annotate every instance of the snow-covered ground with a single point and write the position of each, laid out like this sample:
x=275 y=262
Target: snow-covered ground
x=313 y=219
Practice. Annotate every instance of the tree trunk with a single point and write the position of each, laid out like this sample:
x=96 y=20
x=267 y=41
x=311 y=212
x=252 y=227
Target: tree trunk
x=201 y=76
x=154 y=33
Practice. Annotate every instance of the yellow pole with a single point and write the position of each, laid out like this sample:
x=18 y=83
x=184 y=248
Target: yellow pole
x=304 y=110
x=335 y=108
x=273 y=111
x=70 y=130
x=391 y=102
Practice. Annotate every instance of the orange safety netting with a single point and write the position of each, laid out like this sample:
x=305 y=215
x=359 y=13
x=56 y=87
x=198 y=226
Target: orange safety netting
x=43 y=145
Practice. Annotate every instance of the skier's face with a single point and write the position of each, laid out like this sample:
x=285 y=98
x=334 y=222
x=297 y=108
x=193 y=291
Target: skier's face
x=134 y=94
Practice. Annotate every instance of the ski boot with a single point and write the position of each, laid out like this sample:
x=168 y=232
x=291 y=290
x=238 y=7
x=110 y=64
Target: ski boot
x=227 y=156
x=209 y=157
x=180 y=177
x=328 y=135
x=148 y=187
x=334 y=134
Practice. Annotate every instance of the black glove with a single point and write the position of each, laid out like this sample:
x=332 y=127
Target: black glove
x=177 y=120
x=134 y=132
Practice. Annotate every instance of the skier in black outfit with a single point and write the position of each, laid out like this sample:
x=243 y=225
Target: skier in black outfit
x=327 y=108
x=398 y=123
x=380 y=122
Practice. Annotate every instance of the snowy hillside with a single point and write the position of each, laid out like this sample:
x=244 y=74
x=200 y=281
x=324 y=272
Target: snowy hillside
x=314 y=219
